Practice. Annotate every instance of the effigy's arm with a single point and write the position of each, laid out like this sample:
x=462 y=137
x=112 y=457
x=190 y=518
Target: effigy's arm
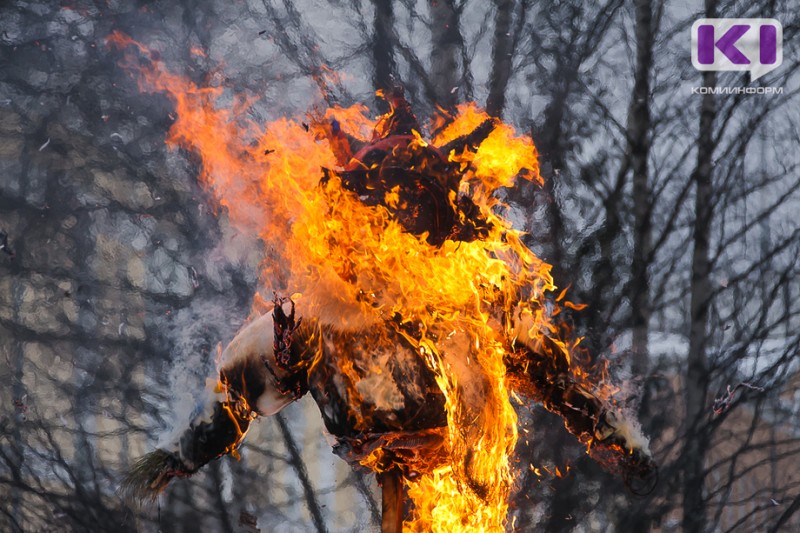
x=539 y=368
x=255 y=379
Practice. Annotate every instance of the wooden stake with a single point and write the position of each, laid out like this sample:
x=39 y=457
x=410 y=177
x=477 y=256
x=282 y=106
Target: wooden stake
x=392 y=502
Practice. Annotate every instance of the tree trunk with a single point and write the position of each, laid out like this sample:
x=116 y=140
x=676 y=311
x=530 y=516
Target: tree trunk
x=639 y=147
x=639 y=143
x=501 y=57
x=697 y=375
x=383 y=48
x=549 y=140
x=445 y=41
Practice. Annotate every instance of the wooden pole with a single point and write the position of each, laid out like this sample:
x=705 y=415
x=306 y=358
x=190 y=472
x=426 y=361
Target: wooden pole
x=391 y=502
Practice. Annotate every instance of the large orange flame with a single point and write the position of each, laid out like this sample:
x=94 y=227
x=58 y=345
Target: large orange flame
x=334 y=252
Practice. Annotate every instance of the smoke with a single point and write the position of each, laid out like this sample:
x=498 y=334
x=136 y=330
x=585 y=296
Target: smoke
x=224 y=279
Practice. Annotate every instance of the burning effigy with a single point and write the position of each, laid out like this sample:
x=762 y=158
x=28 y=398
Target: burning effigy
x=411 y=310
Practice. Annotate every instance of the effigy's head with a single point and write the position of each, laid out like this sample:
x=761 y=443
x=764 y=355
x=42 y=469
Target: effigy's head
x=413 y=179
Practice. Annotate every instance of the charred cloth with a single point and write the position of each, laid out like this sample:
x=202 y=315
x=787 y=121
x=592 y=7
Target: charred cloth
x=415 y=181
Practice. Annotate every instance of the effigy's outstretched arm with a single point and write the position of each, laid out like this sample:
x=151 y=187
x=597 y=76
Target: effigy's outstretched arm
x=539 y=368
x=254 y=380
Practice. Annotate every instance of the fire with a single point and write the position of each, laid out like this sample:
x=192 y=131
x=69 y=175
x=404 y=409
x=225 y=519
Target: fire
x=339 y=255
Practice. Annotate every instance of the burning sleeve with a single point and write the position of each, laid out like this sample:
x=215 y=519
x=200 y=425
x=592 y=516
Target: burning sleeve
x=254 y=380
x=540 y=368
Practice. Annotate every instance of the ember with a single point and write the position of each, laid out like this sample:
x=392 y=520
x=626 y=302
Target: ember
x=422 y=310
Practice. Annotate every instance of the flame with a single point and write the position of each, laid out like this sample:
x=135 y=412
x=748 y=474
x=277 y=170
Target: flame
x=336 y=252
x=235 y=406
x=499 y=158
